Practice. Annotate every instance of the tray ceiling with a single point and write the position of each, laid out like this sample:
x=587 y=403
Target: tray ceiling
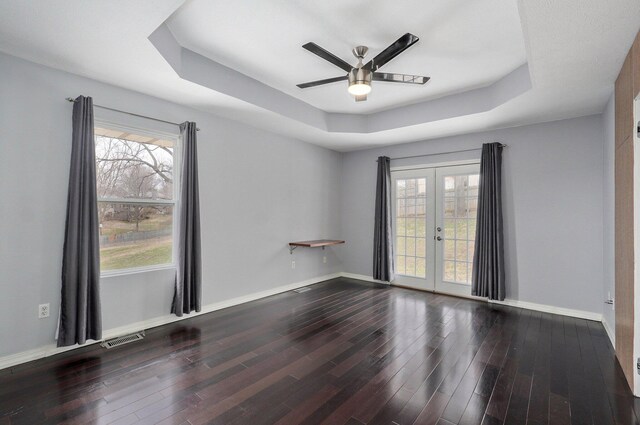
x=463 y=45
x=493 y=63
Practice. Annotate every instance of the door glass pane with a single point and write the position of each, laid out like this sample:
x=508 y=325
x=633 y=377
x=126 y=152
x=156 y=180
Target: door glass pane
x=449 y=229
x=449 y=249
x=421 y=267
x=400 y=269
x=411 y=247
x=410 y=211
x=421 y=248
x=461 y=250
x=472 y=227
x=411 y=266
x=460 y=206
x=461 y=229
x=422 y=188
x=449 y=184
x=471 y=248
x=461 y=185
x=400 y=225
x=474 y=184
x=472 y=205
x=411 y=188
x=449 y=271
x=421 y=217
x=449 y=207
x=461 y=271
x=421 y=226
x=400 y=189
x=411 y=227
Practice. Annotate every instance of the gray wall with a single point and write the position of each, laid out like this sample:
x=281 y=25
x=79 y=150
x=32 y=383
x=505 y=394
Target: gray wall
x=553 y=207
x=258 y=192
x=608 y=224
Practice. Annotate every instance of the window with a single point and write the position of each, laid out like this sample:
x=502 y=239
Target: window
x=135 y=179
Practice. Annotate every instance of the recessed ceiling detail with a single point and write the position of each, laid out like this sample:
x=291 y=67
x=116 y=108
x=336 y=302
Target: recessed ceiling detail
x=463 y=45
x=206 y=72
x=493 y=64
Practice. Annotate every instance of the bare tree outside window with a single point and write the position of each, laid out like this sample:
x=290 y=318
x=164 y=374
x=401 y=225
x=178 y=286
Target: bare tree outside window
x=134 y=177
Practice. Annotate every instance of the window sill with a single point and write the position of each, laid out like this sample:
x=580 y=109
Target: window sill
x=137 y=270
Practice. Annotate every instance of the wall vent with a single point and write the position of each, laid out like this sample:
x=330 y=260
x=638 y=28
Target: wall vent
x=121 y=340
x=301 y=290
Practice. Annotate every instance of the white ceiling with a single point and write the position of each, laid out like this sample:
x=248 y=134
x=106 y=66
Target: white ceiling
x=463 y=45
x=573 y=49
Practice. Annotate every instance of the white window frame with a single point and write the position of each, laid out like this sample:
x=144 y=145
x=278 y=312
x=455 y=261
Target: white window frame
x=175 y=137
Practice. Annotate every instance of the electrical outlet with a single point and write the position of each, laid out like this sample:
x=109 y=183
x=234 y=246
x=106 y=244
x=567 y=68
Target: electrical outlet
x=610 y=301
x=293 y=264
x=324 y=259
x=43 y=311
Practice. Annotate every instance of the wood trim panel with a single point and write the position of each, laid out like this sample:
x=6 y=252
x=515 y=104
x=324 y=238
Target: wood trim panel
x=635 y=66
x=624 y=257
x=627 y=87
x=624 y=103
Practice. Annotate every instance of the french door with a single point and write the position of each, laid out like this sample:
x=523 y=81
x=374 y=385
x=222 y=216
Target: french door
x=434 y=225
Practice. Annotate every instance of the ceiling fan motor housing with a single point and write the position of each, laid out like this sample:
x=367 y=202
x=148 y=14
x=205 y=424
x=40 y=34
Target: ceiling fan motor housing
x=360 y=76
x=360 y=52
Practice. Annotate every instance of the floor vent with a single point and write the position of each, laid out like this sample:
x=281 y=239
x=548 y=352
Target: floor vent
x=301 y=290
x=121 y=340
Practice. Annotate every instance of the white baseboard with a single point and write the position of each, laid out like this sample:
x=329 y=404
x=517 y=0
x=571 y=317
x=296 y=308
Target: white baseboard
x=51 y=349
x=610 y=332
x=170 y=318
x=362 y=277
x=580 y=314
x=36 y=353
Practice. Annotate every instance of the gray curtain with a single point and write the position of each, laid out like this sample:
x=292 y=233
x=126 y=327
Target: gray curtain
x=488 y=260
x=383 y=267
x=80 y=317
x=188 y=293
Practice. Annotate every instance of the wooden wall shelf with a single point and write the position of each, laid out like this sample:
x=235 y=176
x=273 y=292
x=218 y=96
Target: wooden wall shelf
x=319 y=243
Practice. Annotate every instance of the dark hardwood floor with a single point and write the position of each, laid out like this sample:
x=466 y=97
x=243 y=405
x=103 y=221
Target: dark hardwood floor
x=345 y=352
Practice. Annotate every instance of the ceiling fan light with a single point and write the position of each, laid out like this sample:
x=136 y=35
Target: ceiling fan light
x=359 y=82
x=359 y=89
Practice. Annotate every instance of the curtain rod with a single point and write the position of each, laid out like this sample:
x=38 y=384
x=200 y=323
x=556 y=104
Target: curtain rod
x=70 y=99
x=439 y=153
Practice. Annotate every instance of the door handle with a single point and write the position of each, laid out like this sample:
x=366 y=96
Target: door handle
x=438 y=238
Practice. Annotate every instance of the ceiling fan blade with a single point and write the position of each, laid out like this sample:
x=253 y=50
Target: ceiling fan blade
x=400 y=78
x=328 y=56
x=361 y=98
x=399 y=46
x=321 y=82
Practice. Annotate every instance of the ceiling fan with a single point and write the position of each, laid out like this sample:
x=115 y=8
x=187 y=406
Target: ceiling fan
x=360 y=76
